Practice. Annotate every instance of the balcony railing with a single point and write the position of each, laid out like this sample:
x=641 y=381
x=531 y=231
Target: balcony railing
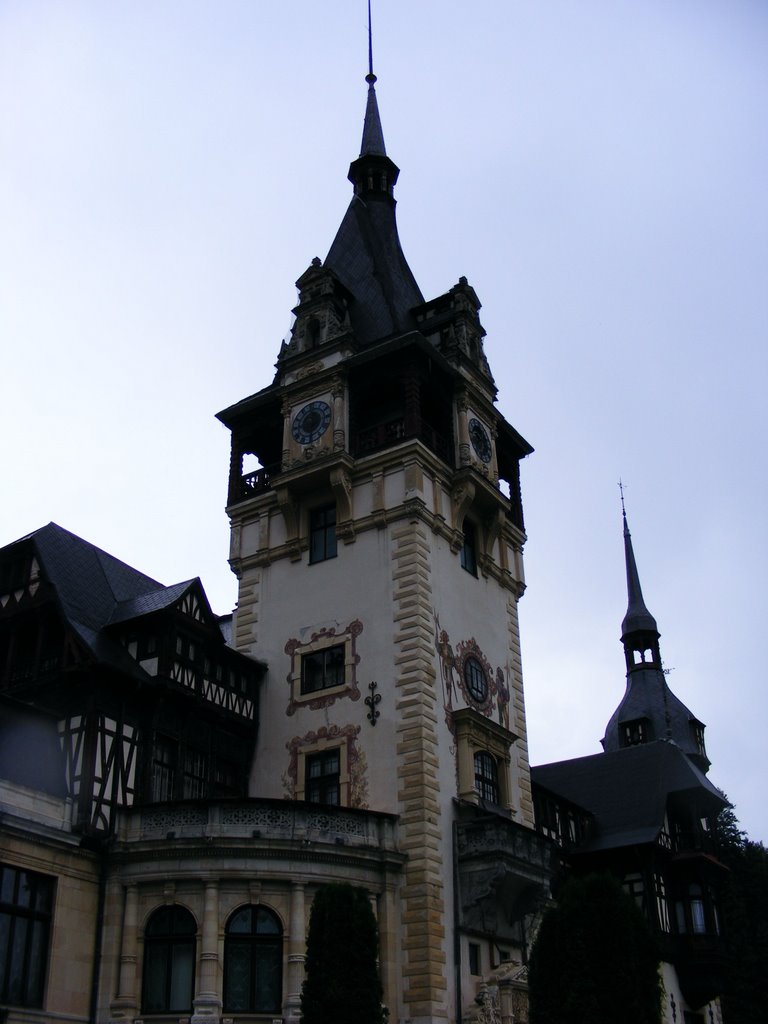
x=501 y=837
x=255 y=483
x=276 y=820
x=384 y=435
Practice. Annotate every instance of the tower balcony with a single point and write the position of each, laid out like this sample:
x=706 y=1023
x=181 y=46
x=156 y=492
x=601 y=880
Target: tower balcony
x=392 y=432
x=502 y=864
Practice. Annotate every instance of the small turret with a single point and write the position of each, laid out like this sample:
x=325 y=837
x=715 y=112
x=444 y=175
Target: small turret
x=649 y=710
x=366 y=256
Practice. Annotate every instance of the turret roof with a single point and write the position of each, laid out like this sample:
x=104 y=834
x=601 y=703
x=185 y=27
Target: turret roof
x=366 y=254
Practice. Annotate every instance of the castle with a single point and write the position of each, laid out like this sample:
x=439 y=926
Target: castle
x=175 y=786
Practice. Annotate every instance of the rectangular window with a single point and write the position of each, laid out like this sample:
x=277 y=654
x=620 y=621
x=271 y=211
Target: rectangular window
x=26 y=906
x=486 y=777
x=468 y=553
x=474 y=959
x=323 y=777
x=322 y=669
x=164 y=769
x=195 y=775
x=322 y=533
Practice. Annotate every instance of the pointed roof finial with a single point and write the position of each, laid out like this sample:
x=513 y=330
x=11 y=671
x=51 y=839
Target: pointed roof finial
x=373 y=136
x=638 y=618
x=370 y=77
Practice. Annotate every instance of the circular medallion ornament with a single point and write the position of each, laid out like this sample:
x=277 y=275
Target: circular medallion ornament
x=311 y=422
x=480 y=439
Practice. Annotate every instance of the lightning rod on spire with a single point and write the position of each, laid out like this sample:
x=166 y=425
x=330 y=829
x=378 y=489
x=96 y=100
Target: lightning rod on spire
x=370 y=77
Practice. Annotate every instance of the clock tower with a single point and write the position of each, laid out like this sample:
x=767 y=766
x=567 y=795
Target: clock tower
x=377 y=536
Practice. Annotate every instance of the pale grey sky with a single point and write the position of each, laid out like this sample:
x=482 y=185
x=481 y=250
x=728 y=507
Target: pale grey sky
x=596 y=169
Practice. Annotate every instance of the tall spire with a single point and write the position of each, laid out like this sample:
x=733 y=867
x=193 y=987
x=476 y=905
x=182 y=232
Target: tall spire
x=366 y=255
x=638 y=618
x=373 y=136
x=649 y=710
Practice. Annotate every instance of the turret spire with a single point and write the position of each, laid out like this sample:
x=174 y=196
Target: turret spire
x=373 y=136
x=366 y=256
x=638 y=618
x=649 y=710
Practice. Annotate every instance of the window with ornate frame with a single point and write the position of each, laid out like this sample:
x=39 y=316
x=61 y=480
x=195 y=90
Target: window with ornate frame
x=323 y=667
x=169 y=961
x=337 y=742
x=253 y=961
x=475 y=734
x=322 y=783
x=26 y=909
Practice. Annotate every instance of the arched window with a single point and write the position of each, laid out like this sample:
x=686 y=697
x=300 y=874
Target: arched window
x=253 y=962
x=169 y=961
x=486 y=777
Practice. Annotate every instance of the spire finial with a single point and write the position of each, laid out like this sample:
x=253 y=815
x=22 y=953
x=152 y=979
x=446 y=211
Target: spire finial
x=623 y=509
x=370 y=77
x=373 y=137
x=638 y=617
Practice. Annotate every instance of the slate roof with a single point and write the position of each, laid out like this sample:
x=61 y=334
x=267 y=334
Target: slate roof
x=154 y=601
x=366 y=255
x=627 y=791
x=367 y=258
x=89 y=582
x=95 y=590
x=648 y=696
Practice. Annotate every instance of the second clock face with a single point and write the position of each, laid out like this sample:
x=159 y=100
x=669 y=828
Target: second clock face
x=481 y=442
x=311 y=422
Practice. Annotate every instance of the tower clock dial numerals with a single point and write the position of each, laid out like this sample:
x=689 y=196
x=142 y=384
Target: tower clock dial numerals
x=480 y=439
x=311 y=422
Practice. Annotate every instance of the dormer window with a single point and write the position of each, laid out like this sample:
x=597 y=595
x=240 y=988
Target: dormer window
x=634 y=733
x=697 y=729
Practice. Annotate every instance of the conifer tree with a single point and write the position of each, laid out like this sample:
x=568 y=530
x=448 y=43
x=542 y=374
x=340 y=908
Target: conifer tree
x=744 y=922
x=594 y=960
x=342 y=983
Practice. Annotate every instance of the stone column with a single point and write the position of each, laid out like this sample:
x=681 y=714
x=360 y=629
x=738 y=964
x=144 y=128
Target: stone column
x=388 y=950
x=339 y=431
x=465 y=458
x=125 y=1006
x=207 y=1003
x=297 y=948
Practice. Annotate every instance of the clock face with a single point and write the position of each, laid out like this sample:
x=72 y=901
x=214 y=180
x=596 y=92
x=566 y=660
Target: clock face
x=311 y=422
x=481 y=442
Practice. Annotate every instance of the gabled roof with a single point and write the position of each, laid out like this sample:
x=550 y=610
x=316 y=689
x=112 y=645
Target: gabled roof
x=95 y=590
x=88 y=581
x=155 y=601
x=627 y=791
